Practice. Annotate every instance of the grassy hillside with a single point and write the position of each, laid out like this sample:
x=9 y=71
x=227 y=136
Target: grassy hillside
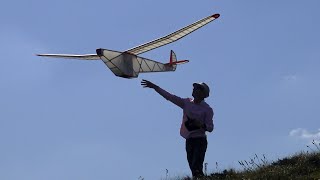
x=299 y=166
x=303 y=165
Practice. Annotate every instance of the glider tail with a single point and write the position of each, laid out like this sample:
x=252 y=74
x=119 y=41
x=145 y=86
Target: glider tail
x=174 y=62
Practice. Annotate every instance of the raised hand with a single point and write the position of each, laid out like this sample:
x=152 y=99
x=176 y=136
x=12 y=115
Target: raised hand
x=148 y=84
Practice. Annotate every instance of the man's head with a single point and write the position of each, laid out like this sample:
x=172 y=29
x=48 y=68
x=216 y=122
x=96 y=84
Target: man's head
x=200 y=90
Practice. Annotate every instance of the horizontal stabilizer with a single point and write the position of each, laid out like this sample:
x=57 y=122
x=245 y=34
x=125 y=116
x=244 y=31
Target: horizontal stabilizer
x=173 y=60
x=181 y=62
x=178 y=62
x=72 y=56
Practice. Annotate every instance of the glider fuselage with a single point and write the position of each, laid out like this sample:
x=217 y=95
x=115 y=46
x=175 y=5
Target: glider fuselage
x=128 y=65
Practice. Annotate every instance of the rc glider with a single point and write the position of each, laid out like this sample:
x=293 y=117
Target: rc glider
x=128 y=64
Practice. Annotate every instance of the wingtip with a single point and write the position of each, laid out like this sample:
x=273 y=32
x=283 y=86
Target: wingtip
x=42 y=55
x=216 y=16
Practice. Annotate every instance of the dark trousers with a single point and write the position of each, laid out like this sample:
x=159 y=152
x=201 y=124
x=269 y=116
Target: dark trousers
x=196 y=150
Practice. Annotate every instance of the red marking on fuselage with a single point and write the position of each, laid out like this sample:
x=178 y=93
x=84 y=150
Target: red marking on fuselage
x=177 y=62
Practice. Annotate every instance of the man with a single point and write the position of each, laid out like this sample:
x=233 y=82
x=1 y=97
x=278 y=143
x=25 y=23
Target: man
x=197 y=119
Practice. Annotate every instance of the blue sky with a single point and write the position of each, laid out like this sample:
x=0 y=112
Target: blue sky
x=68 y=119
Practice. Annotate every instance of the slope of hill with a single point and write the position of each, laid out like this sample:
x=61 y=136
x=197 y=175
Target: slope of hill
x=303 y=165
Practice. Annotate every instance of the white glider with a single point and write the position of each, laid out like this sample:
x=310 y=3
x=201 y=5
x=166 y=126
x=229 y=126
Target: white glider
x=128 y=64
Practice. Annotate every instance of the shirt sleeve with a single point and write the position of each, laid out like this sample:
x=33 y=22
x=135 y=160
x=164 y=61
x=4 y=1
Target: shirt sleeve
x=209 y=120
x=170 y=97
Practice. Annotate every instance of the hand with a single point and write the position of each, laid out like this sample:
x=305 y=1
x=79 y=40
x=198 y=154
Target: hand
x=148 y=84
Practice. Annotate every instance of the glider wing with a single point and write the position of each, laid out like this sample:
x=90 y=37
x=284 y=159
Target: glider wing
x=173 y=36
x=72 y=56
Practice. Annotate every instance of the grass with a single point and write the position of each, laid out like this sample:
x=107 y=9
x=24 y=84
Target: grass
x=303 y=165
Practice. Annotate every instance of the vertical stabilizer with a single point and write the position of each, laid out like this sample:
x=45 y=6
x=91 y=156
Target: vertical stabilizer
x=173 y=60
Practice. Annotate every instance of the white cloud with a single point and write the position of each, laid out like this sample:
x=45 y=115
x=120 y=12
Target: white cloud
x=290 y=78
x=305 y=135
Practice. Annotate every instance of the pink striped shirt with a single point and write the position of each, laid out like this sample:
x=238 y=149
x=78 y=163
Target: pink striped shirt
x=202 y=112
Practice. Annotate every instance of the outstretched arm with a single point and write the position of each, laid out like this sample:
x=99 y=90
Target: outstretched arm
x=170 y=97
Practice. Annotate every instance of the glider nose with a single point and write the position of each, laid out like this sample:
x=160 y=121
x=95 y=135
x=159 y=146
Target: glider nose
x=216 y=16
x=99 y=52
